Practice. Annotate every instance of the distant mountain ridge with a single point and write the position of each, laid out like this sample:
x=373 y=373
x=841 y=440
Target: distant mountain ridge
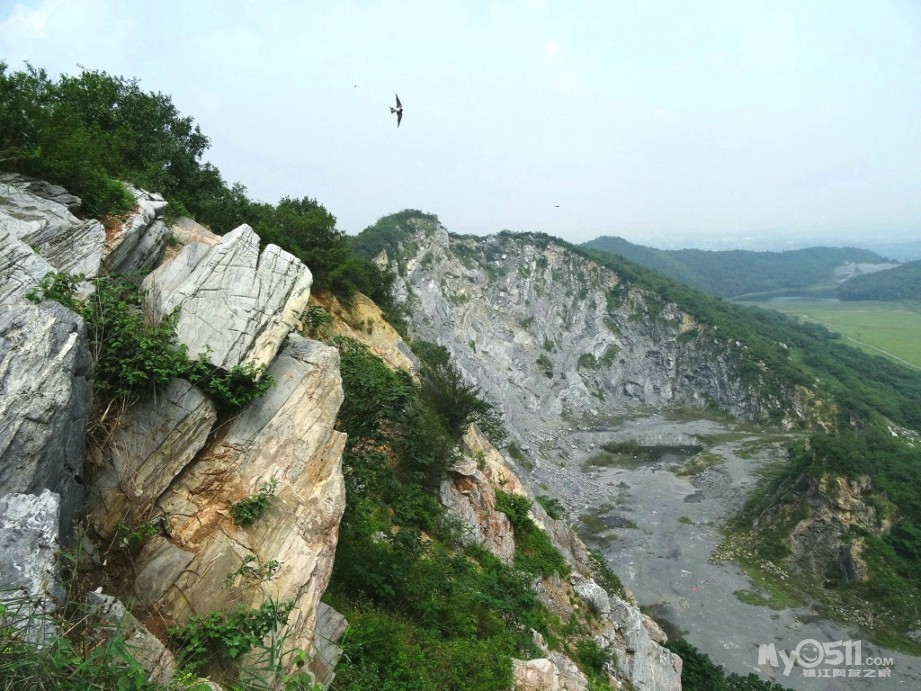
x=901 y=283
x=738 y=273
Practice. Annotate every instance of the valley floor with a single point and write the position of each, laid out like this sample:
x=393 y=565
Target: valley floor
x=892 y=329
x=659 y=525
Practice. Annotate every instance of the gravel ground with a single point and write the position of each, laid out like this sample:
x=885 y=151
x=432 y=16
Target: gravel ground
x=659 y=530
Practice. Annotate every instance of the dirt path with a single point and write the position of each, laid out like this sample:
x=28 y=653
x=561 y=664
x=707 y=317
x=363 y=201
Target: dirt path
x=884 y=352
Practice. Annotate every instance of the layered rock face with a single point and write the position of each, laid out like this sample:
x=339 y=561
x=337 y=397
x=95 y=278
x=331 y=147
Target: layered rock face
x=551 y=336
x=171 y=462
x=38 y=235
x=46 y=379
x=235 y=303
x=286 y=436
x=469 y=493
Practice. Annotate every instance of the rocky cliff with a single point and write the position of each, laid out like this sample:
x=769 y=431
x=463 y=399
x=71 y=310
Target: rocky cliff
x=172 y=461
x=559 y=341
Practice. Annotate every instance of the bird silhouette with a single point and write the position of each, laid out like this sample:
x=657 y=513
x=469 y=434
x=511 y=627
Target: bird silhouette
x=398 y=110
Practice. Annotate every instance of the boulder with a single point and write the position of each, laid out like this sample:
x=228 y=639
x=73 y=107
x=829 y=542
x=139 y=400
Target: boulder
x=544 y=674
x=46 y=379
x=594 y=596
x=236 y=303
x=30 y=589
x=67 y=243
x=467 y=494
x=330 y=627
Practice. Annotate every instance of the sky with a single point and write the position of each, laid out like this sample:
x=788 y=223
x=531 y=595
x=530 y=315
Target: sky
x=671 y=123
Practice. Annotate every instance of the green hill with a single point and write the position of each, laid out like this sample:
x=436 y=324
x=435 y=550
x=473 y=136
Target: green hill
x=901 y=283
x=737 y=273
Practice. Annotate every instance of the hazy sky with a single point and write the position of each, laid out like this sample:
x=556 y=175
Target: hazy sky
x=668 y=123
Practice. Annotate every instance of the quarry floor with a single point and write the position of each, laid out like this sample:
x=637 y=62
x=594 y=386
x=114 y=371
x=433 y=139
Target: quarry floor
x=659 y=531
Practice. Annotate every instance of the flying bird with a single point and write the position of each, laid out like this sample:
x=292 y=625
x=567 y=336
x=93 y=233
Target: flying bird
x=398 y=110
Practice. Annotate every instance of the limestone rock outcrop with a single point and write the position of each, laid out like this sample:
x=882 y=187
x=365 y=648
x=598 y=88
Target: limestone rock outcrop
x=30 y=588
x=237 y=304
x=834 y=511
x=49 y=228
x=287 y=436
x=46 y=378
x=138 y=243
x=469 y=496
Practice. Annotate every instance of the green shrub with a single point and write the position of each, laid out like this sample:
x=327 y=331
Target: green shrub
x=246 y=511
x=592 y=657
x=93 y=654
x=446 y=392
x=132 y=357
x=316 y=322
x=552 y=506
x=700 y=673
x=534 y=553
x=588 y=361
x=232 y=389
x=132 y=539
x=228 y=635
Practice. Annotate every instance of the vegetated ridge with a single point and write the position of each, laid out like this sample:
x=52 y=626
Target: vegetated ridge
x=813 y=271
x=901 y=283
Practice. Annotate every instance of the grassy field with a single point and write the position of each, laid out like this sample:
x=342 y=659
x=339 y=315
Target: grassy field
x=887 y=328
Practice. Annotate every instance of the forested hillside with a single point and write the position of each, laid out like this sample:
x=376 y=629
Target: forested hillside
x=901 y=283
x=737 y=273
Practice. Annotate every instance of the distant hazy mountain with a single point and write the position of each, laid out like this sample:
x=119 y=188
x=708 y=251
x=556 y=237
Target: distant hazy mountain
x=901 y=283
x=738 y=273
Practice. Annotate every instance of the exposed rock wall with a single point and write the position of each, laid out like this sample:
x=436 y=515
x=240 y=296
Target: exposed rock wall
x=46 y=379
x=823 y=540
x=553 y=337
